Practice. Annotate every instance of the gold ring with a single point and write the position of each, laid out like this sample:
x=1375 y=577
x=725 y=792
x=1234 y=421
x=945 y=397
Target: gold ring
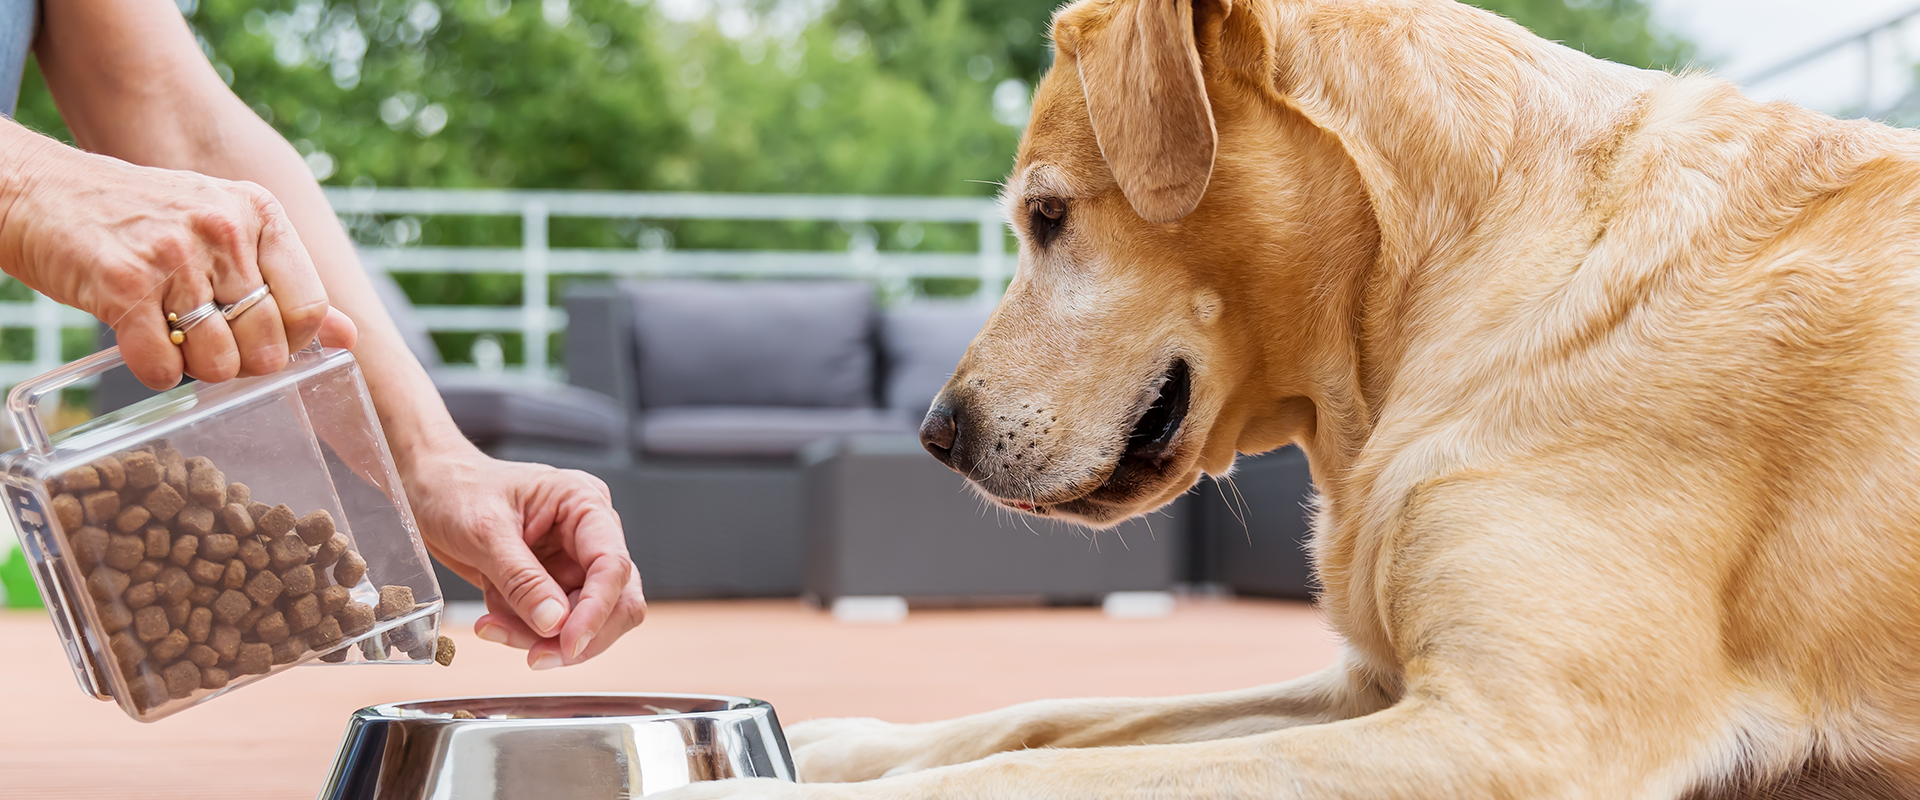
x=177 y=337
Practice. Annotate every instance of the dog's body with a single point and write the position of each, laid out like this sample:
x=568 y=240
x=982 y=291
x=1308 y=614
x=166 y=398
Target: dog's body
x=1610 y=381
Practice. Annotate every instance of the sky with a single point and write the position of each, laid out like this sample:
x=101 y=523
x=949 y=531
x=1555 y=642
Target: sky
x=1743 y=37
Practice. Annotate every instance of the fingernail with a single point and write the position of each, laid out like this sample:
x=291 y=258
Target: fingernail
x=580 y=646
x=546 y=661
x=492 y=633
x=547 y=616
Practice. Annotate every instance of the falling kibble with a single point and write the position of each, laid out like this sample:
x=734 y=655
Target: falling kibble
x=443 y=653
x=462 y=713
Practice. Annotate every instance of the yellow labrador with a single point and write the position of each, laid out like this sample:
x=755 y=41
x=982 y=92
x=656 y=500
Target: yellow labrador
x=1610 y=379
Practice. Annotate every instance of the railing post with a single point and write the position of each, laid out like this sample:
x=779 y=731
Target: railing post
x=993 y=257
x=533 y=292
x=46 y=333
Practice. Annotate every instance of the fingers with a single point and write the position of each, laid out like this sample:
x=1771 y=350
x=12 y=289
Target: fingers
x=299 y=297
x=150 y=355
x=209 y=349
x=525 y=585
x=338 y=330
x=501 y=625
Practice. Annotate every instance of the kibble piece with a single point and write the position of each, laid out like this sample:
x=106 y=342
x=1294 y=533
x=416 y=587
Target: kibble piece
x=334 y=598
x=238 y=494
x=101 y=506
x=231 y=606
x=141 y=595
x=443 y=651
x=278 y=520
x=287 y=550
x=202 y=656
x=178 y=611
x=254 y=554
x=207 y=487
x=89 y=546
x=159 y=541
x=225 y=641
x=238 y=521
x=193 y=520
x=147 y=570
x=67 y=511
x=356 y=618
x=316 y=527
x=112 y=474
x=184 y=549
x=132 y=518
x=199 y=625
x=107 y=583
x=395 y=602
x=206 y=572
x=330 y=550
x=169 y=648
x=254 y=659
x=219 y=547
x=350 y=569
x=115 y=617
x=405 y=639
x=143 y=469
x=236 y=576
x=125 y=552
x=264 y=588
x=147 y=689
x=303 y=613
x=325 y=634
x=199 y=463
x=174 y=582
x=150 y=624
x=80 y=479
x=214 y=678
x=298 y=580
x=126 y=647
x=164 y=502
x=289 y=650
x=182 y=678
x=272 y=627
x=463 y=714
x=256 y=510
x=336 y=656
x=173 y=470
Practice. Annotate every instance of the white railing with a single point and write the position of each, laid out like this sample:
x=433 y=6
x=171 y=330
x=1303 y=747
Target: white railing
x=536 y=261
x=1882 y=70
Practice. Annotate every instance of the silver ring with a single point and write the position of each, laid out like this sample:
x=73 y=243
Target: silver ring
x=252 y=299
x=186 y=321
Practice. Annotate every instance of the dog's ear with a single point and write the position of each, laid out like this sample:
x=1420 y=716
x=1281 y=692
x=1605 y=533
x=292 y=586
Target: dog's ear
x=1148 y=103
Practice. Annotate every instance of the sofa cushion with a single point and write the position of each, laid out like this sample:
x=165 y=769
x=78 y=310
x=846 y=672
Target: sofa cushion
x=489 y=411
x=412 y=330
x=763 y=343
x=748 y=432
x=923 y=342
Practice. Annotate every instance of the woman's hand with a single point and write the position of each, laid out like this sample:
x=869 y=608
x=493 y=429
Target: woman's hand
x=130 y=244
x=543 y=543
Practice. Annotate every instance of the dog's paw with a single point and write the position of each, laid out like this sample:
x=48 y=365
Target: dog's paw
x=741 y=789
x=859 y=749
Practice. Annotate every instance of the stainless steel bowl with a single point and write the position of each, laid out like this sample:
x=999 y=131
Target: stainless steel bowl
x=555 y=746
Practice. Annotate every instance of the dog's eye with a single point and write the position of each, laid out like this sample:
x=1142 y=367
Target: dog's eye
x=1045 y=215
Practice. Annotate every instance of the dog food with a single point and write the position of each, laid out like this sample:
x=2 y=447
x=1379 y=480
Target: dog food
x=198 y=582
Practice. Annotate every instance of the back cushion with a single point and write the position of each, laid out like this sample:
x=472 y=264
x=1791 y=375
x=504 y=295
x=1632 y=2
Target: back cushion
x=923 y=343
x=759 y=343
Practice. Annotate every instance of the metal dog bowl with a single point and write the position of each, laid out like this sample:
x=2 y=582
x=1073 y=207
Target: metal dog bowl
x=555 y=746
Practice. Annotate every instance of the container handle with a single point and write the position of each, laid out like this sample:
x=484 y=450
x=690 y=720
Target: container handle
x=23 y=403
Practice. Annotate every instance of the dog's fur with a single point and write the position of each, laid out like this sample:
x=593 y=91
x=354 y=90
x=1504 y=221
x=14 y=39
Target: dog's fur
x=1610 y=380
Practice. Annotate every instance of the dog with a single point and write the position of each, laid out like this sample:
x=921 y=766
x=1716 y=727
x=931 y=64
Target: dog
x=1609 y=380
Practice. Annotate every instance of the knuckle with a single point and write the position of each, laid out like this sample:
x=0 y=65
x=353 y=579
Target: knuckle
x=520 y=583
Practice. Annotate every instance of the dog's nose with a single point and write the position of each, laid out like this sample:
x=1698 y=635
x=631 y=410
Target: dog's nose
x=938 y=431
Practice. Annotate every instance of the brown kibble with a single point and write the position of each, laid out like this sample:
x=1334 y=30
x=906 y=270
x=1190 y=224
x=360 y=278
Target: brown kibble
x=115 y=617
x=193 y=520
x=164 y=502
x=231 y=606
x=203 y=596
x=215 y=678
x=326 y=633
x=238 y=521
x=143 y=469
x=147 y=570
x=462 y=713
x=132 y=518
x=254 y=554
x=256 y=510
x=298 y=580
x=199 y=625
x=330 y=551
x=272 y=628
x=101 y=506
x=159 y=541
x=107 y=583
x=236 y=576
x=206 y=572
x=67 y=512
x=443 y=651
x=169 y=648
x=287 y=550
x=219 y=547
x=264 y=588
x=182 y=678
x=197 y=463
x=254 y=659
x=150 y=624
x=126 y=647
x=207 y=487
x=141 y=595
x=147 y=689
x=177 y=612
x=289 y=650
x=303 y=613
x=225 y=640
x=350 y=569
x=278 y=520
x=112 y=474
x=89 y=546
x=184 y=549
x=239 y=495
x=334 y=598
x=395 y=602
x=173 y=470
x=202 y=656
x=80 y=479
x=174 y=583
x=336 y=656
x=356 y=618
x=125 y=552
x=316 y=527
x=252 y=618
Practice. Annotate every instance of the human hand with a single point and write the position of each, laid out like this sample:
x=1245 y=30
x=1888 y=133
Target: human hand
x=129 y=244
x=543 y=543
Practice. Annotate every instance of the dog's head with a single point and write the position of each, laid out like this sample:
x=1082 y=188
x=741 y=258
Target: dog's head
x=1173 y=214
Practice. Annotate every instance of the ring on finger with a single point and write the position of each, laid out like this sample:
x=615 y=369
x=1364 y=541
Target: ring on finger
x=181 y=323
x=240 y=306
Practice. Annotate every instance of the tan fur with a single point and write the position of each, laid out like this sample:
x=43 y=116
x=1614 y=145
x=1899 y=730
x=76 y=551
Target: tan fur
x=1608 y=379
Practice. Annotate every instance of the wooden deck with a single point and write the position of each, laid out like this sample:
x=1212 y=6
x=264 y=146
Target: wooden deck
x=277 y=739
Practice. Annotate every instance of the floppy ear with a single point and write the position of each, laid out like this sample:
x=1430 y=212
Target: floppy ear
x=1148 y=103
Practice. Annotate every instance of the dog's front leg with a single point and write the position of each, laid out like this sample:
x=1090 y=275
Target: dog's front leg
x=838 y=750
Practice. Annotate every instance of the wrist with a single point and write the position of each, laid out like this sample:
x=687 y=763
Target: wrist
x=22 y=154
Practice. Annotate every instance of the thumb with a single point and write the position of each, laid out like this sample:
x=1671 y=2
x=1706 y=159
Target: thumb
x=532 y=594
x=338 y=330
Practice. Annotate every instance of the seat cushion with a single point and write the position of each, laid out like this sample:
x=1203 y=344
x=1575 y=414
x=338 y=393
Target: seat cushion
x=746 y=432
x=923 y=342
x=762 y=343
x=490 y=411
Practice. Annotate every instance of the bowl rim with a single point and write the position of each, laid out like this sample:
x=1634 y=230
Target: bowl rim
x=735 y=704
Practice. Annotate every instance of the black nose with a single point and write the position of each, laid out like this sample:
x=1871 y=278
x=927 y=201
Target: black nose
x=938 y=431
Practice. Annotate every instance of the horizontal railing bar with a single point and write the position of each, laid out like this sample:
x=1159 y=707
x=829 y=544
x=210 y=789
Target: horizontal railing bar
x=476 y=319
x=676 y=262
x=20 y=315
x=664 y=205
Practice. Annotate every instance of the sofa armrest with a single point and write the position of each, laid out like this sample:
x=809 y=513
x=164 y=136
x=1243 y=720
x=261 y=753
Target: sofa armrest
x=600 y=346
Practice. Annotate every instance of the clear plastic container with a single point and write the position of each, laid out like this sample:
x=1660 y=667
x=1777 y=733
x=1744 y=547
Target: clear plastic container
x=212 y=536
